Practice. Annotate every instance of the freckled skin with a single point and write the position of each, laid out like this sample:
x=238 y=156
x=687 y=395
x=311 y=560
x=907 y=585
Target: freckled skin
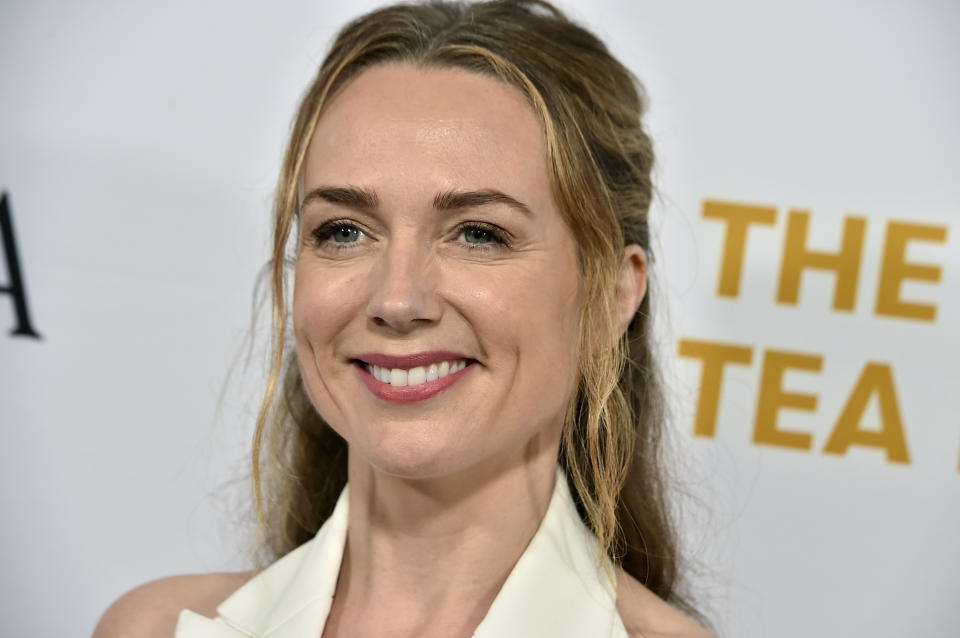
x=412 y=283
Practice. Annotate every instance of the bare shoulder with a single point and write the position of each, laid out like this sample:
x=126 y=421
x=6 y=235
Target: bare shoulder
x=152 y=610
x=645 y=615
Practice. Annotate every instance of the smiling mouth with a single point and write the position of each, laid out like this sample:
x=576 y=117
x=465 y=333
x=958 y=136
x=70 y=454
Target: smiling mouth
x=405 y=377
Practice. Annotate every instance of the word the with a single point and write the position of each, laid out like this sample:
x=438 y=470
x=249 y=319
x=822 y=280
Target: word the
x=845 y=263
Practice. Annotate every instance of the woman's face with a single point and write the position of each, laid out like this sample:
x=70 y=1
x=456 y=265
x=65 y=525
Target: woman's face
x=430 y=241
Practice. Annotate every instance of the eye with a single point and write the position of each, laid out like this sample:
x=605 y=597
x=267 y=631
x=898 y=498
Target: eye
x=337 y=235
x=477 y=236
x=345 y=234
x=482 y=235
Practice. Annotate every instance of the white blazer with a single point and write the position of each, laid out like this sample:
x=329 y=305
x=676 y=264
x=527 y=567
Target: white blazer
x=557 y=589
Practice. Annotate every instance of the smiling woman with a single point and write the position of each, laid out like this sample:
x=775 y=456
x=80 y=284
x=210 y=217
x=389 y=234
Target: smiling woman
x=462 y=438
x=431 y=271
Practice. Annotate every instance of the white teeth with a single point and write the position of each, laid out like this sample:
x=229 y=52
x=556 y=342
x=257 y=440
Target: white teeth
x=416 y=376
x=400 y=377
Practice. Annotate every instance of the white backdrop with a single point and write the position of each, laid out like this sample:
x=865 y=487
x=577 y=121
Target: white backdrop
x=140 y=143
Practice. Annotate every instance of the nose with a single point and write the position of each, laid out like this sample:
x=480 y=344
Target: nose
x=403 y=287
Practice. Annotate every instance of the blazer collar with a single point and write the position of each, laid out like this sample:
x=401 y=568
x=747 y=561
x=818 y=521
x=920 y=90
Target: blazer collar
x=291 y=597
x=559 y=587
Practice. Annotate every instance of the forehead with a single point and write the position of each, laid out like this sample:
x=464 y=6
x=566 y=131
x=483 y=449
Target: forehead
x=403 y=124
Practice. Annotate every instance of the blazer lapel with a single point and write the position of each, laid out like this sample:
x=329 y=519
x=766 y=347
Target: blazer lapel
x=559 y=587
x=291 y=598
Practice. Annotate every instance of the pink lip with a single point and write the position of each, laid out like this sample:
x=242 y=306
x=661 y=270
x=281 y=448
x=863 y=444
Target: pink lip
x=410 y=393
x=411 y=360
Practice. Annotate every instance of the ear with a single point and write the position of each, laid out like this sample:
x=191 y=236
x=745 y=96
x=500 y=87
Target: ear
x=631 y=285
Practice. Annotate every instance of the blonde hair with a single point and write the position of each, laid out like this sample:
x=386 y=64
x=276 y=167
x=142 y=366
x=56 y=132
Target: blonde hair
x=600 y=159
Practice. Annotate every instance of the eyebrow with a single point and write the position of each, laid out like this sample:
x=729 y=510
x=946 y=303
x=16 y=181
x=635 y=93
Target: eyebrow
x=367 y=200
x=348 y=196
x=453 y=200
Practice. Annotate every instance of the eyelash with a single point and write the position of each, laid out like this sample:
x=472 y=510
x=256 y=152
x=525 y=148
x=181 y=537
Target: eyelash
x=322 y=235
x=499 y=237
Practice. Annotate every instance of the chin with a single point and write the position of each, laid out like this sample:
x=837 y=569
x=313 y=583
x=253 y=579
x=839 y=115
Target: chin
x=411 y=454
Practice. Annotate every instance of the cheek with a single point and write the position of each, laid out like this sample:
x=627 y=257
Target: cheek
x=323 y=298
x=526 y=311
x=325 y=301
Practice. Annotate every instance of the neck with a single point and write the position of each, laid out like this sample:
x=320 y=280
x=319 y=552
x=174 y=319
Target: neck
x=422 y=550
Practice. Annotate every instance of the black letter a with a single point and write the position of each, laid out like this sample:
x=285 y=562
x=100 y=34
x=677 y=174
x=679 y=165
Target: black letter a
x=15 y=289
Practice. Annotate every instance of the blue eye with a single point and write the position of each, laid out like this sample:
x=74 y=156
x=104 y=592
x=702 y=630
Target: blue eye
x=483 y=236
x=340 y=234
x=477 y=236
x=345 y=234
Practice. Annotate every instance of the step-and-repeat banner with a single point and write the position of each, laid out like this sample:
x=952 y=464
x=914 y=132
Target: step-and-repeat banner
x=807 y=277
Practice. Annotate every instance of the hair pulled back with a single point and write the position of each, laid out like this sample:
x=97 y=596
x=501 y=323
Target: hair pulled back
x=600 y=159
